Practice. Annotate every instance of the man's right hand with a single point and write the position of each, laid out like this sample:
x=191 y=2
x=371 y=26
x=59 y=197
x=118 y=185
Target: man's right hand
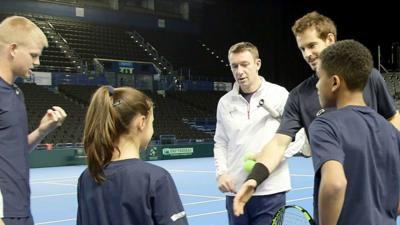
x=243 y=196
x=226 y=184
x=1 y=222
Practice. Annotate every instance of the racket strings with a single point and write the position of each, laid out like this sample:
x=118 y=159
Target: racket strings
x=291 y=216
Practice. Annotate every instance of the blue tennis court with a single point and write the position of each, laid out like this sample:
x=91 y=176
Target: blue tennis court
x=54 y=190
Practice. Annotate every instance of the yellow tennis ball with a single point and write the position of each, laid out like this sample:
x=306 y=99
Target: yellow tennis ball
x=248 y=156
x=248 y=165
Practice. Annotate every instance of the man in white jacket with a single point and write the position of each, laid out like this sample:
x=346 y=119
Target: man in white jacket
x=247 y=118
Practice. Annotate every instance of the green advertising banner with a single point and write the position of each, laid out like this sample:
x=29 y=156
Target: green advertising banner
x=161 y=152
x=76 y=156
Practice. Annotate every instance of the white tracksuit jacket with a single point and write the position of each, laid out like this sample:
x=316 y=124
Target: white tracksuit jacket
x=246 y=127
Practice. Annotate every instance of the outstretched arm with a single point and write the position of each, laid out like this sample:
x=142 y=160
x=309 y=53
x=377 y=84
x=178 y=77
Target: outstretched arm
x=272 y=153
x=52 y=119
x=270 y=158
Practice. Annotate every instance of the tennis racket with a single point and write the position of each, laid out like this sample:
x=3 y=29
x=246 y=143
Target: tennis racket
x=292 y=215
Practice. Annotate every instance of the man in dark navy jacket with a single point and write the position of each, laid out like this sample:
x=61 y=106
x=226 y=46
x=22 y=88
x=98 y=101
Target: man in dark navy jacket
x=314 y=32
x=21 y=44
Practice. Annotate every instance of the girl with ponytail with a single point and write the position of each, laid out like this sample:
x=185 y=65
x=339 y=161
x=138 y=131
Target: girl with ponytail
x=117 y=187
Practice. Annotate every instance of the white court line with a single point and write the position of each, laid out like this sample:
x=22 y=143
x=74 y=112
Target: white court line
x=206 y=214
x=73 y=219
x=171 y=170
x=212 y=171
x=302 y=188
x=190 y=195
x=301 y=175
x=203 y=202
x=224 y=211
x=299 y=199
x=202 y=196
x=54 y=183
x=56 y=221
x=191 y=216
x=215 y=198
x=192 y=171
x=53 y=195
x=51 y=179
x=51 y=182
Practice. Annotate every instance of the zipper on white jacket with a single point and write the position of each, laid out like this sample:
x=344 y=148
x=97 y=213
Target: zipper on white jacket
x=248 y=106
x=248 y=110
